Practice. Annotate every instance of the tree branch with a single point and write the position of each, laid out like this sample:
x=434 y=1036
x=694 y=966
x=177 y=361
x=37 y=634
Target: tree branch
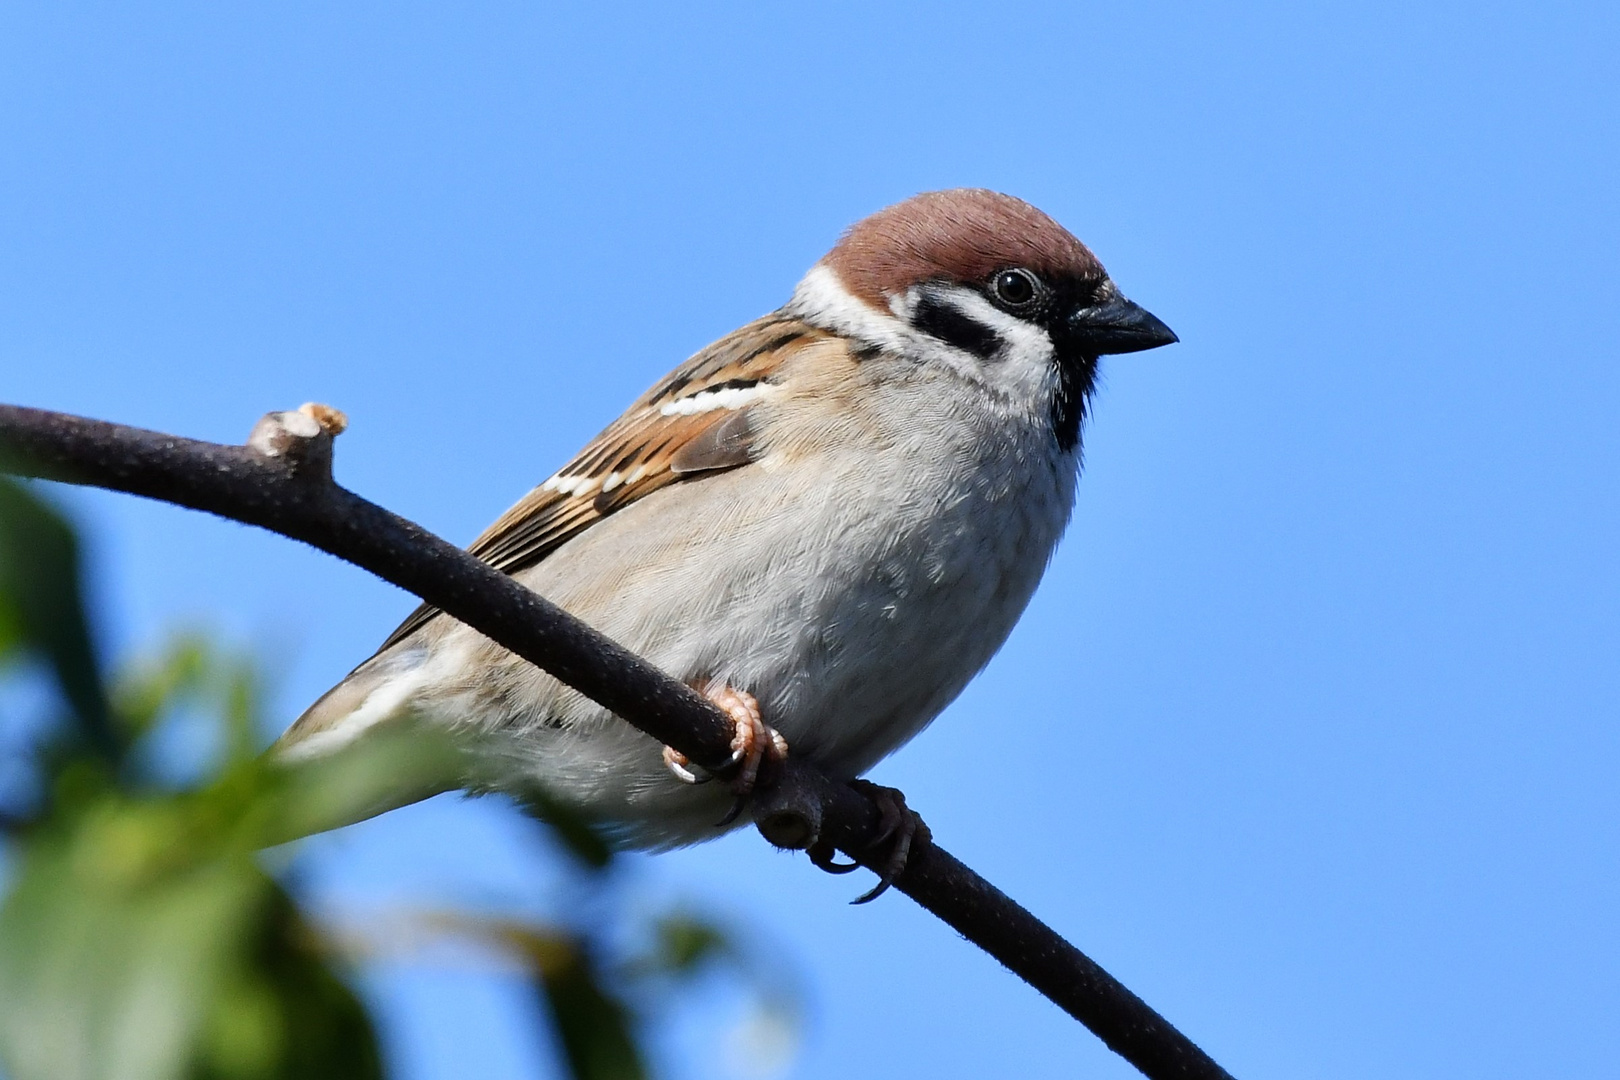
x=282 y=481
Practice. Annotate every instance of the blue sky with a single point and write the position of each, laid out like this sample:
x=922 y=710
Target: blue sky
x=1310 y=734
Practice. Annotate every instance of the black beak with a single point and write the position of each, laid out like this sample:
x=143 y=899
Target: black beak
x=1118 y=326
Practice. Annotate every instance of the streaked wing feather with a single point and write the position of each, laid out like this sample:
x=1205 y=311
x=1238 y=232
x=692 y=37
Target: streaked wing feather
x=681 y=430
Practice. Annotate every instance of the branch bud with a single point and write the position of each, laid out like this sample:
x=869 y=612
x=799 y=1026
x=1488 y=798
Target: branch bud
x=302 y=438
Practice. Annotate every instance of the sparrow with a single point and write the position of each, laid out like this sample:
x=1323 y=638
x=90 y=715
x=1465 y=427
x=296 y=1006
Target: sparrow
x=827 y=521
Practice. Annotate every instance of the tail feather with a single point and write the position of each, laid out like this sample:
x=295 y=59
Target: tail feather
x=361 y=750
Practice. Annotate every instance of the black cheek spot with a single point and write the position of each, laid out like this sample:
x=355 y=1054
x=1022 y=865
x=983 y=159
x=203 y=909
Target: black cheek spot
x=941 y=320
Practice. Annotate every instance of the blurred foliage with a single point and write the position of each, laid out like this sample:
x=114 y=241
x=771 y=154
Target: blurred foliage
x=42 y=608
x=140 y=934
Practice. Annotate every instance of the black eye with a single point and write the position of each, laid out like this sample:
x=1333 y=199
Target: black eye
x=1015 y=288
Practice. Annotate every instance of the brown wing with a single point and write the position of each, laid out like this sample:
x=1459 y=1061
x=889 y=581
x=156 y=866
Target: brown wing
x=694 y=423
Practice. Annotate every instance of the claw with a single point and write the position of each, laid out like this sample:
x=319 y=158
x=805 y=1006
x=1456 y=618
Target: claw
x=731 y=815
x=899 y=829
x=677 y=762
x=823 y=856
x=753 y=746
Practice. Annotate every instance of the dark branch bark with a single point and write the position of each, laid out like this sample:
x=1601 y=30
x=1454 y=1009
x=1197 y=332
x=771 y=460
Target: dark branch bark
x=282 y=482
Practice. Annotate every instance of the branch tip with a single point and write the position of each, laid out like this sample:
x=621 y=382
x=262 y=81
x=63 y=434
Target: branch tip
x=333 y=421
x=302 y=438
x=787 y=815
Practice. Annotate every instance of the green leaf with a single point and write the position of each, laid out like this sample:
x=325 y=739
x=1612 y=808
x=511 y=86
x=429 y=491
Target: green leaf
x=192 y=673
x=145 y=943
x=109 y=960
x=285 y=1015
x=685 y=943
x=146 y=692
x=592 y=1024
x=42 y=606
x=11 y=636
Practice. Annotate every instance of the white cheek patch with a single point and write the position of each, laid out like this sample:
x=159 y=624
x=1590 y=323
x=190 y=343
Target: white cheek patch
x=1021 y=369
x=822 y=300
x=904 y=305
x=1023 y=340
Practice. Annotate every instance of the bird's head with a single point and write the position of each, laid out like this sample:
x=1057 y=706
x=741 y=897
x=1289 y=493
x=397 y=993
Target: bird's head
x=987 y=285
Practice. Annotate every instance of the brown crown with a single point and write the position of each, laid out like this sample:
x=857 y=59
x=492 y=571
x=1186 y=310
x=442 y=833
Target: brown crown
x=965 y=234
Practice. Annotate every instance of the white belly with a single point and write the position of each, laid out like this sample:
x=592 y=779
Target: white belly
x=854 y=607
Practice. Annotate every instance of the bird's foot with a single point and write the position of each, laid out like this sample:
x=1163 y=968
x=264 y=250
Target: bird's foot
x=900 y=831
x=753 y=745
